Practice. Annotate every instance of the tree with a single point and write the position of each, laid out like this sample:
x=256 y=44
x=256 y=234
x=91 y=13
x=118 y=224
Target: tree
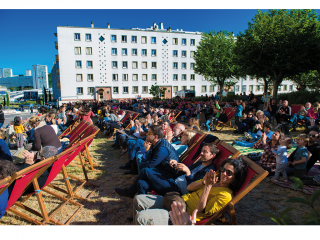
x=279 y=44
x=156 y=90
x=8 y=99
x=309 y=80
x=214 y=57
x=50 y=80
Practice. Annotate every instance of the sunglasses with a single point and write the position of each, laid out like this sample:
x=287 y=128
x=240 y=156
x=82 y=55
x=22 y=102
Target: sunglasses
x=229 y=173
x=312 y=135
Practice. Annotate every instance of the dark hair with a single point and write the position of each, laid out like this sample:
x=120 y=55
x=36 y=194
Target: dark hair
x=213 y=148
x=157 y=130
x=16 y=121
x=315 y=128
x=267 y=125
x=0 y=107
x=240 y=172
x=7 y=168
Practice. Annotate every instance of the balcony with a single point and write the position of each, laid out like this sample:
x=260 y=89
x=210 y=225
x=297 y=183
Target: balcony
x=58 y=71
x=57 y=58
x=56 y=45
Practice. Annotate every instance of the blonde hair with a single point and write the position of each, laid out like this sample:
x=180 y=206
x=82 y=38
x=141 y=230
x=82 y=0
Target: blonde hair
x=142 y=120
x=304 y=137
x=195 y=122
x=190 y=134
x=34 y=119
x=53 y=120
x=288 y=141
x=2 y=134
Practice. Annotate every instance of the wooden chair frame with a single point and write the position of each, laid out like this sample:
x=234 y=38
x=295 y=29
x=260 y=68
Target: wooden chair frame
x=175 y=117
x=71 y=128
x=194 y=144
x=228 y=122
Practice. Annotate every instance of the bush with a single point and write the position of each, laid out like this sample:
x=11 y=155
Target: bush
x=300 y=97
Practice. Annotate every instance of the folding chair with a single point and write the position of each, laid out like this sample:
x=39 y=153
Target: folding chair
x=175 y=117
x=78 y=131
x=71 y=128
x=253 y=170
x=230 y=115
x=135 y=115
x=226 y=151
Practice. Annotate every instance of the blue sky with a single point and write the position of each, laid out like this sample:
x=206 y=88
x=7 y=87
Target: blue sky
x=28 y=35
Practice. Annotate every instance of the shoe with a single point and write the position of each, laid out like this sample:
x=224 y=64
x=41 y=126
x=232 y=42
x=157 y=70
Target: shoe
x=233 y=143
x=274 y=180
x=286 y=180
x=110 y=138
x=130 y=219
x=132 y=172
x=124 y=192
x=127 y=166
x=316 y=179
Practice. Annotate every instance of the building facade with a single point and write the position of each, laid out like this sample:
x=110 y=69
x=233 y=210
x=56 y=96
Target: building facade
x=106 y=63
x=40 y=76
x=5 y=72
x=17 y=81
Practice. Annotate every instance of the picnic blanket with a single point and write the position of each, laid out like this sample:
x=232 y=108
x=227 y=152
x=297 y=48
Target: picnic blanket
x=247 y=150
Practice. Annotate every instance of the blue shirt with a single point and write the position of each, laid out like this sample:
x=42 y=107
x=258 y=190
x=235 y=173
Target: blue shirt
x=4 y=151
x=4 y=197
x=238 y=112
x=300 y=153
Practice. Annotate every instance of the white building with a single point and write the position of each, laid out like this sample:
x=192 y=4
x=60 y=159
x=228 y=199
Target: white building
x=5 y=72
x=105 y=63
x=40 y=76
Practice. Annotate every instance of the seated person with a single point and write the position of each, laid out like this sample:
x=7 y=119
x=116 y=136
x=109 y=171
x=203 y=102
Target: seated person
x=246 y=123
x=5 y=153
x=221 y=116
x=208 y=195
x=301 y=115
x=158 y=153
x=193 y=123
x=284 y=113
x=63 y=127
x=271 y=109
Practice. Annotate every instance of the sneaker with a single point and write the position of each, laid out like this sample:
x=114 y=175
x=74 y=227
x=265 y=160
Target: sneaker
x=286 y=180
x=274 y=180
x=316 y=179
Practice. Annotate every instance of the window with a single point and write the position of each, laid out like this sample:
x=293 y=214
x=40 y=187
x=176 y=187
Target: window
x=175 y=88
x=78 y=64
x=125 y=90
x=191 y=65
x=125 y=64
x=183 y=65
x=153 y=52
x=77 y=36
x=175 y=53
x=284 y=87
x=134 y=39
x=184 y=87
x=184 y=77
x=153 y=40
x=79 y=91
x=175 y=77
x=211 y=88
x=124 y=77
x=258 y=88
x=192 y=88
x=89 y=64
x=134 y=77
x=89 y=50
x=192 y=54
x=192 y=77
x=143 y=39
x=124 y=38
x=90 y=90
x=154 y=65
x=250 y=87
x=183 y=41
x=183 y=53
x=134 y=52
x=88 y=37
x=204 y=89
x=124 y=52
x=192 y=42
x=154 y=77
x=113 y=38
x=79 y=77
x=135 y=89
x=144 y=77
x=145 y=89
x=115 y=89
x=134 y=65
x=90 y=77
x=114 y=51
x=175 y=65
x=237 y=88
x=114 y=77
x=77 y=50
x=114 y=64
x=244 y=88
x=175 y=41
x=144 y=65
x=144 y=52
x=291 y=87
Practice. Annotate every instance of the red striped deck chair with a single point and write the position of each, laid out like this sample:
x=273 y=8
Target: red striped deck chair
x=230 y=115
x=21 y=181
x=81 y=134
x=255 y=175
x=226 y=151
x=135 y=115
x=71 y=128
x=78 y=132
x=176 y=115
x=295 y=108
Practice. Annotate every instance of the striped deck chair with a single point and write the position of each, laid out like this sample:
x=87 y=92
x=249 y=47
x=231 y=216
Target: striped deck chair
x=176 y=115
x=78 y=131
x=230 y=115
x=71 y=128
x=247 y=186
x=135 y=115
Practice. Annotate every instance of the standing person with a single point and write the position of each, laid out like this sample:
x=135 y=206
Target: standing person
x=19 y=129
x=301 y=156
x=238 y=112
x=281 y=158
x=1 y=116
x=86 y=114
x=31 y=109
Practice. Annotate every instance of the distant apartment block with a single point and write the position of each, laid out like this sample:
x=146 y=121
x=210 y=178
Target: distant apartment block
x=5 y=72
x=40 y=76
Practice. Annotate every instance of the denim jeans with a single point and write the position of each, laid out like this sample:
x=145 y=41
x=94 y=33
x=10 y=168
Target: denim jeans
x=1 y=124
x=294 y=119
x=134 y=145
x=150 y=178
x=207 y=124
x=281 y=168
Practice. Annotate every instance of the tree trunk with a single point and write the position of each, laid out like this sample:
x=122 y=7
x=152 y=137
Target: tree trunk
x=266 y=85
x=277 y=81
x=221 y=88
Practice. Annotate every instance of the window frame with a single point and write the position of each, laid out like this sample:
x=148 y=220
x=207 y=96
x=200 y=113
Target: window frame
x=115 y=38
x=91 y=74
x=79 y=74
x=123 y=92
x=80 y=64
x=89 y=91
x=126 y=49
x=146 y=63
x=184 y=51
x=136 y=63
x=78 y=88
x=113 y=64
x=194 y=42
x=132 y=39
x=87 y=50
x=146 y=53
x=175 y=55
x=194 y=77
x=113 y=77
x=152 y=79
x=184 y=76
x=146 y=77
x=125 y=37
x=87 y=34
x=123 y=77
x=137 y=77
x=153 y=55
x=75 y=52
x=124 y=63
x=177 y=77
x=146 y=88
x=205 y=86
x=175 y=41
x=175 y=63
x=112 y=52
x=113 y=88
x=144 y=37
x=182 y=41
x=88 y=64
x=155 y=41
x=185 y=65
x=152 y=63
x=74 y=37
x=133 y=91
x=136 y=50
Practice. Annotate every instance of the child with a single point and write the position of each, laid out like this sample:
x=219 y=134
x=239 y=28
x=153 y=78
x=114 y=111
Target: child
x=281 y=158
x=238 y=112
x=301 y=156
x=313 y=113
x=19 y=129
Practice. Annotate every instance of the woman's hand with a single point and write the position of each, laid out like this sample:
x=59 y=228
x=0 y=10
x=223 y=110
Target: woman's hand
x=210 y=178
x=28 y=157
x=180 y=217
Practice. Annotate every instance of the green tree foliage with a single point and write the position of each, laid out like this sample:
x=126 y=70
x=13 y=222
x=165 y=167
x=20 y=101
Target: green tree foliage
x=214 y=57
x=50 y=80
x=156 y=90
x=310 y=80
x=8 y=100
x=279 y=44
